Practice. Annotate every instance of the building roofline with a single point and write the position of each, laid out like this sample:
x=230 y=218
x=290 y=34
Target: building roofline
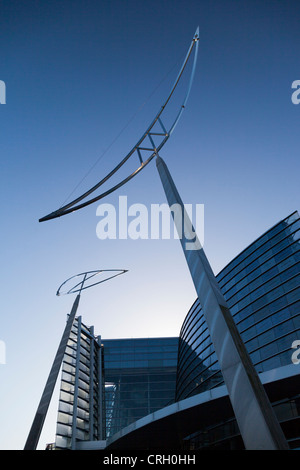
x=260 y=236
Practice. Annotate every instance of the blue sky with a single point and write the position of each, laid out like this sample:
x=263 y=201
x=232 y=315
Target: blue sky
x=76 y=73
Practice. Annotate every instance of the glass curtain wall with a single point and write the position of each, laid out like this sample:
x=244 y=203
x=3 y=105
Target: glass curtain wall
x=262 y=288
x=140 y=378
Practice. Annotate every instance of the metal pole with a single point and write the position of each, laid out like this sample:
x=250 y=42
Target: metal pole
x=257 y=422
x=39 y=419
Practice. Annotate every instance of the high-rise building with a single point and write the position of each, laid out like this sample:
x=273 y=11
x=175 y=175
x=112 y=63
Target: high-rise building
x=108 y=384
x=81 y=408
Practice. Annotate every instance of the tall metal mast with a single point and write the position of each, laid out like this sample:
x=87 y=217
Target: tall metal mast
x=257 y=422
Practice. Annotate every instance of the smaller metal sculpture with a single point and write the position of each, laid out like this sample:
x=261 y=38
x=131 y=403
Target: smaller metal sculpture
x=80 y=286
x=40 y=416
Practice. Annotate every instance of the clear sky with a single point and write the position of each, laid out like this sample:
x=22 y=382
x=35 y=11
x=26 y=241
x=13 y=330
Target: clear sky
x=76 y=73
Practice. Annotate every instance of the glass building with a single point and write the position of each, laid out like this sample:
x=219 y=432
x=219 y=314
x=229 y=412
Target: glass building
x=262 y=288
x=108 y=384
x=140 y=378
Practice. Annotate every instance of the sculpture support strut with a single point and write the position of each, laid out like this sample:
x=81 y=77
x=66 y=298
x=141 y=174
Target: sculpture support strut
x=257 y=422
x=38 y=422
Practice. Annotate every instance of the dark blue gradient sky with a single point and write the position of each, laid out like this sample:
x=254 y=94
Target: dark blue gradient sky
x=76 y=72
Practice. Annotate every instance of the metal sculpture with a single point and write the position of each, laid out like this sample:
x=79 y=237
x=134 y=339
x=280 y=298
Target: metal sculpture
x=140 y=146
x=85 y=277
x=40 y=416
x=258 y=425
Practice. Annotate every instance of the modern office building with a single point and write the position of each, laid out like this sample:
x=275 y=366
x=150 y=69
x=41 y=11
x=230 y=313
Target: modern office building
x=108 y=384
x=169 y=392
x=262 y=289
x=140 y=378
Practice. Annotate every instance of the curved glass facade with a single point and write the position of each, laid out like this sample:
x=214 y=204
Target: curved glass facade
x=225 y=434
x=262 y=288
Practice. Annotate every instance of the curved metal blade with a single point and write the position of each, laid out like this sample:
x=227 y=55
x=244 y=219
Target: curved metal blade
x=85 y=277
x=74 y=205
